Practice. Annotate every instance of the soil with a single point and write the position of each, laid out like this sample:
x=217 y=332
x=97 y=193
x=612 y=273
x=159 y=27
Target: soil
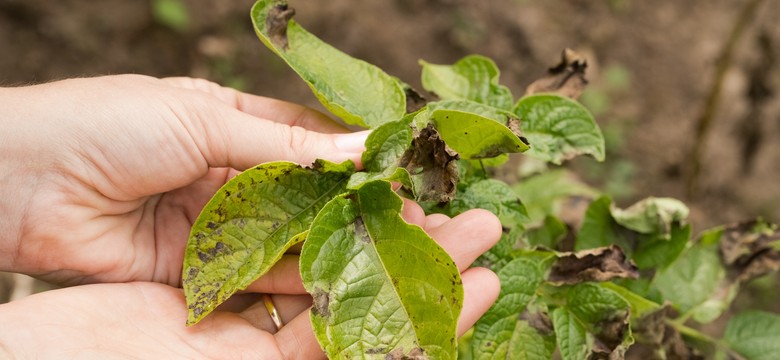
x=651 y=68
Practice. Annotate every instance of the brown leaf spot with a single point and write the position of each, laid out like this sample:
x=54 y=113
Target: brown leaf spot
x=276 y=24
x=430 y=157
x=321 y=300
x=538 y=320
x=361 y=233
x=565 y=79
x=600 y=264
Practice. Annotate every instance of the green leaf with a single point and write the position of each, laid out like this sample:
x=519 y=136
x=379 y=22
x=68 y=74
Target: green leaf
x=474 y=130
x=573 y=339
x=354 y=90
x=559 y=128
x=754 y=334
x=695 y=284
x=599 y=228
x=652 y=215
x=639 y=305
x=549 y=234
x=473 y=77
x=385 y=147
x=171 y=13
x=380 y=286
x=249 y=223
x=543 y=193
x=492 y=195
x=656 y=251
x=500 y=334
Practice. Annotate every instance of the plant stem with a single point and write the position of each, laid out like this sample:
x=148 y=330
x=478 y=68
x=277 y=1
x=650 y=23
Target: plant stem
x=698 y=335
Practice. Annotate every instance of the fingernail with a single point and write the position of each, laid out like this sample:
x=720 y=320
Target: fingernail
x=352 y=142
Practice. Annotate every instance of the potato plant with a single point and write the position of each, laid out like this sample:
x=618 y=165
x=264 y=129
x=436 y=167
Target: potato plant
x=383 y=289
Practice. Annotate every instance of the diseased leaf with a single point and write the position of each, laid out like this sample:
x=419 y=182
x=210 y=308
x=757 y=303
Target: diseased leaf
x=492 y=195
x=652 y=215
x=601 y=314
x=357 y=92
x=558 y=128
x=750 y=249
x=433 y=167
x=474 y=130
x=249 y=223
x=640 y=306
x=566 y=79
x=755 y=335
x=473 y=77
x=652 y=330
x=600 y=264
x=382 y=288
x=500 y=333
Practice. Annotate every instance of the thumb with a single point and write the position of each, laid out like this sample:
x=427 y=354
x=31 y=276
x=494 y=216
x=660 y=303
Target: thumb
x=243 y=141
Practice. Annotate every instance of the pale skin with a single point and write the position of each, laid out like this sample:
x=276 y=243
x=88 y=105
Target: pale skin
x=100 y=181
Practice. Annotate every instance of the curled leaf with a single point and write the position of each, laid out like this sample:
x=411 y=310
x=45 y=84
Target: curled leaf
x=354 y=90
x=567 y=78
x=601 y=264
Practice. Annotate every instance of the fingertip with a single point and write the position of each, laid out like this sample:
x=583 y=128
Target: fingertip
x=413 y=213
x=481 y=288
x=490 y=227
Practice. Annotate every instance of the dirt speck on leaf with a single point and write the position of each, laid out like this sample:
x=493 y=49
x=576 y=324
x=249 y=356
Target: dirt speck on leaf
x=600 y=264
x=565 y=79
x=276 y=24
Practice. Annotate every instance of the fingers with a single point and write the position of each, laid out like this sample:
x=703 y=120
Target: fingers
x=288 y=307
x=480 y=290
x=262 y=107
x=297 y=341
x=468 y=235
x=283 y=278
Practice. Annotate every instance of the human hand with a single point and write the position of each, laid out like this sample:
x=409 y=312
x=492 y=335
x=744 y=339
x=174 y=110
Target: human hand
x=101 y=178
x=145 y=320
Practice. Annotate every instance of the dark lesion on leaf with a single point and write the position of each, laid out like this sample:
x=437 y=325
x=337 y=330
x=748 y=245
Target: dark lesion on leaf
x=600 y=264
x=567 y=78
x=361 y=233
x=436 y=162
x=750 y=249
x=655 y=336
x=610 y=334
x=321 y=302
x=276 y=24
x=513 y=124
x=538 y=320
x=414 y=101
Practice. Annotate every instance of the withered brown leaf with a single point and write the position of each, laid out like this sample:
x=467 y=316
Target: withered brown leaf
x=567 y=78
x=599 y=264
x=749 y=249
x=432 y=160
